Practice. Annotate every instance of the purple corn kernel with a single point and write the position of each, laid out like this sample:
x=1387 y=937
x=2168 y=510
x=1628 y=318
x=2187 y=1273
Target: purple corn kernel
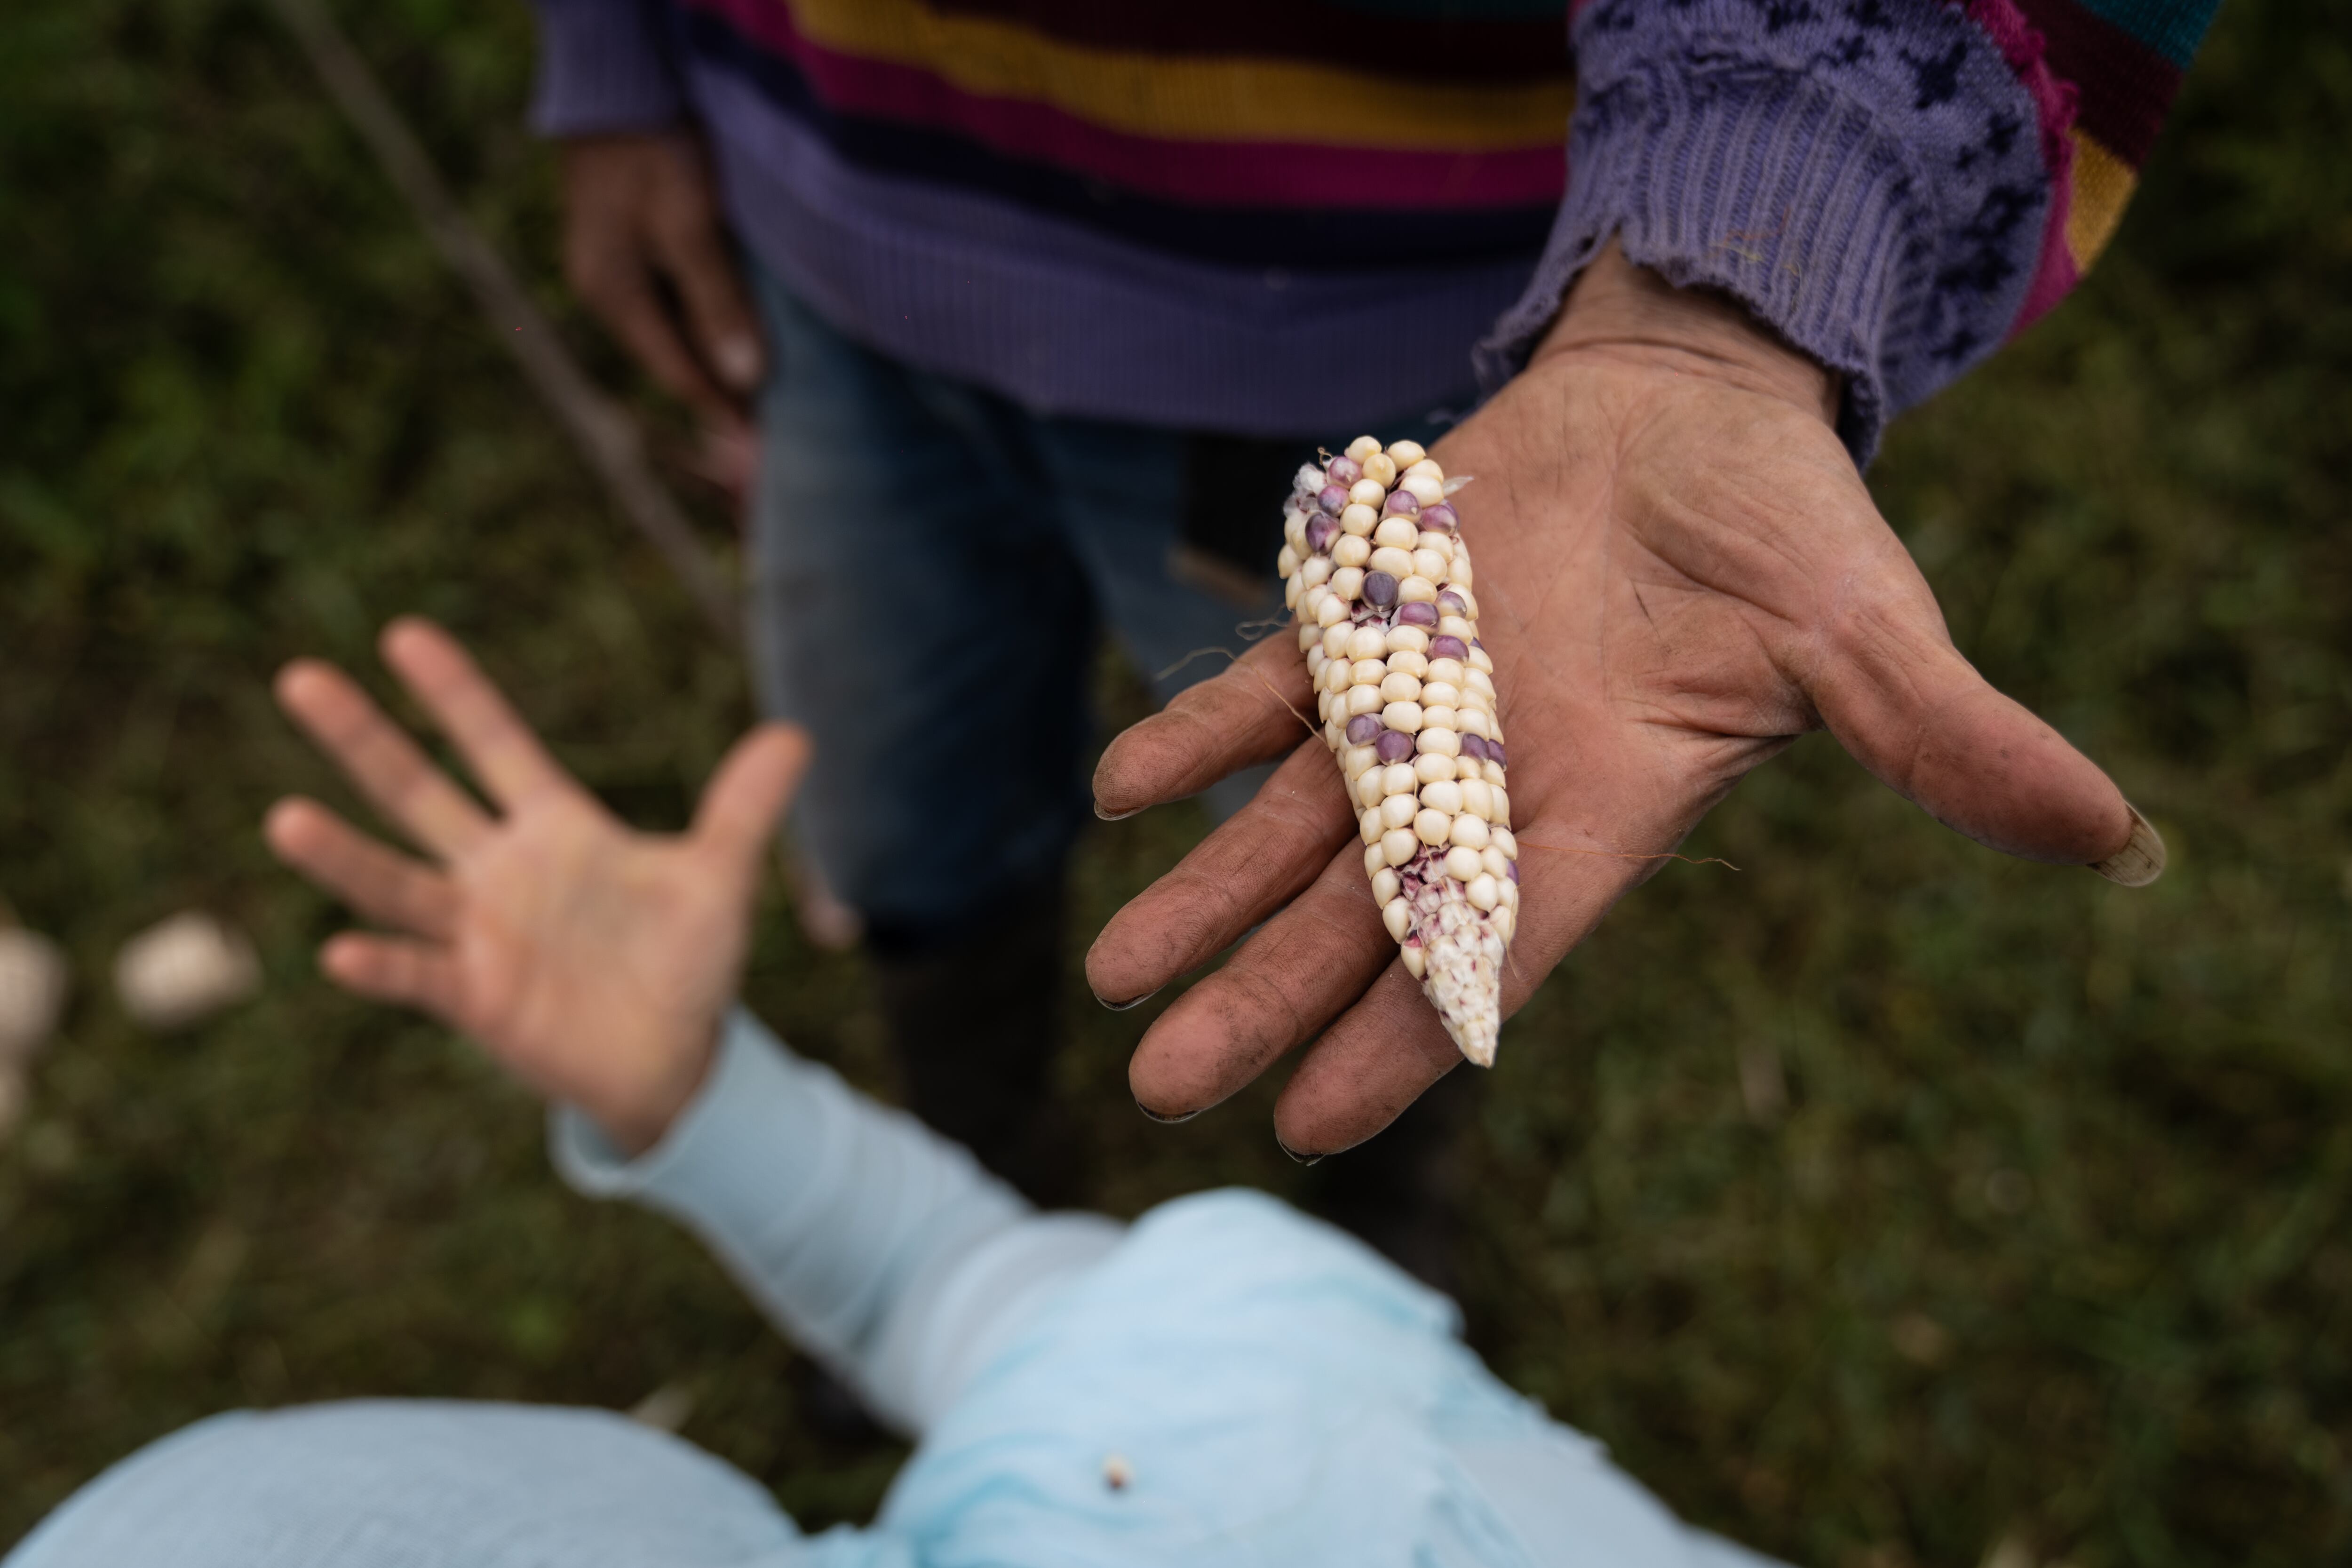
x=1320 y=533
x=1440 y=517
x=1381 y=589
x=1511 y=869
x=1474 y=748
x=1417 y=614
x=1363 y=729
x=1344 y=470
x=1332 y=498
x=1451 y=604
x=1439 y=647
x=1402 y=503
x=1495 y=754
x=1393 y=746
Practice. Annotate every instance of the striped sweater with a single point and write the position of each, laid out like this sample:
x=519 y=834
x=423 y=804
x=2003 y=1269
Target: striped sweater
x=1300 y=216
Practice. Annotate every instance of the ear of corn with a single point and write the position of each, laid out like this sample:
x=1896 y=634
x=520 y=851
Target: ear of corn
x=1382 y=591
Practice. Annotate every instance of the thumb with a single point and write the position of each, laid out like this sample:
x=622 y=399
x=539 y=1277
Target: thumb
x=753 y=784
x=1899 y=697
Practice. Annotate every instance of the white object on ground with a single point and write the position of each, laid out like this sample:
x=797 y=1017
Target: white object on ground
x=32 y=995
x=186 y=969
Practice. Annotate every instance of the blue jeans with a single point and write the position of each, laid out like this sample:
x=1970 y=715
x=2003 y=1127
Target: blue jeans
x=932 y=564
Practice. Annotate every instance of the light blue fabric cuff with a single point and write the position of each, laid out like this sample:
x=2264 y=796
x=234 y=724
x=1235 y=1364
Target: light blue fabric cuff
x=603 y=66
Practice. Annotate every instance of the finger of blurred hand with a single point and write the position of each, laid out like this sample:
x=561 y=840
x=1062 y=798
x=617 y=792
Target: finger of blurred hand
x=1250 y=713
x=1900 y=698
x=380 y=758
x=1300 y=969
x=754 y=783
x=695 y=257
x=397 y=971
x=1251 y=866
x=615 y=277
x=500 y=749
x=381 y=884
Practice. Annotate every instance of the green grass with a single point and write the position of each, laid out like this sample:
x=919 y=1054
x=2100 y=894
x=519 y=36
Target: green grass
x=1875 y=1202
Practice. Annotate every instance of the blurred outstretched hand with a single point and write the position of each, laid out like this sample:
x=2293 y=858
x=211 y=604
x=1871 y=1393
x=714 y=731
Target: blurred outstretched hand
x=593 y=962
x=1679 y=571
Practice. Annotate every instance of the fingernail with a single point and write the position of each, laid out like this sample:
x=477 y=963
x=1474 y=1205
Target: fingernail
x=1114 y=815
x=1295 y=1154
x=1123 y=1006
x=2141 y=859
x=739 y=363
x=1164 y=1121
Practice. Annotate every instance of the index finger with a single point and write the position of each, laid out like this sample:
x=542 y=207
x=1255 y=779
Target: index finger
x=1250 y=713
x=380 y=758
x=496 y=744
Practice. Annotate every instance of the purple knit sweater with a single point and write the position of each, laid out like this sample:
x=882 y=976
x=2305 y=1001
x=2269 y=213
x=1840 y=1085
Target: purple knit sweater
x=1302 y=217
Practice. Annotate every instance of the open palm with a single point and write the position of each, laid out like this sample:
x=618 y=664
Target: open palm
x=593 y=962
x=1679 y=572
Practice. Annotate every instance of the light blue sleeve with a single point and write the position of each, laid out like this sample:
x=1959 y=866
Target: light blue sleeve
x=877 y=1245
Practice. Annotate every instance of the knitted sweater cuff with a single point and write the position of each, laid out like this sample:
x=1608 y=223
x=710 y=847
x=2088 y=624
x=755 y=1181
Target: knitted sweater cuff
x=604 y=66
x=1892 y=242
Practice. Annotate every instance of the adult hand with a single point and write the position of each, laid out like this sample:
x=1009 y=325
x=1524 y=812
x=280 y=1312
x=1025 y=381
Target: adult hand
x=1679 y=572
x=593 y=961
x=645 y=246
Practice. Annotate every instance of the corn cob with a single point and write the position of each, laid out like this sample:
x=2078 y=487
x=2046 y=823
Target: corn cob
x=1380 y=585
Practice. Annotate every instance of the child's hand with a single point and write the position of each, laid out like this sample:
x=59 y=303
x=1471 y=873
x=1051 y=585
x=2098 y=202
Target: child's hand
x=594 y=963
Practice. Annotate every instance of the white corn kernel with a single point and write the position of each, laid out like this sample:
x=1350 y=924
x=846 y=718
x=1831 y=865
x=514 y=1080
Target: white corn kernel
x=1333 y=610
x=1355 y=760
x=1399 y=687
x=1437 y=718
x=1397 y=917
x=1431 y=827
x=1386 y=885
x=1335 y=641
x=1351 y=550
x=1363 y=700
x=1415 y=589
x=1469 y=832
x=1406 y=660
x=1441 y=741
x=1394 y=561
x=1504 y=841
x=1479 y=661
x=1446 y=670
x=1415 y=963
x=1367 y=791
x=1309 y=634
x=1291 y=589
x=1428 y=563
x=1478 y=799
x=1397 y=531
x=1469 y=600
x=1366 y=642
x=1396 y=811
x=1400 y=638
x=1316 y=660
x=1485 y=893
x=1504 y=922
x=1430 y=766
x=1510 y=891
x=1476 y=680
x=1493 y=772
x=1445 y=795
x=1405 y=454
x=1288 y=561
x=1422 y=488
x=1375 y=862
x=1399 y=845
x=1502 y=806
x=1397 y=778
x=1473 y=718
x=1359 y=521
x=1401 y=716
x=1462 y=864
x=1323 y=706
x=1496 y=866
x=1367 y=492
x=1442 y=543
x=1425 y=466
x=1455 y=627
x=1294 y=529
x=1370 y=826
x=1362 y=447
x=1458 y=571
x=1317 y=570
x=1380 y=469
x=1366 y=672
x=1442 y=694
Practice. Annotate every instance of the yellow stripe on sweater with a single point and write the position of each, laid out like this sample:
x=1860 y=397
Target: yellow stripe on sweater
x=2101 y=189
x=1191 y=97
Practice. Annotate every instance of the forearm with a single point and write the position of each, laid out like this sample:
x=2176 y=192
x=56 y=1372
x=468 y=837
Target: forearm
x=605 y=66
x=1895 y=190
x=877 y=1245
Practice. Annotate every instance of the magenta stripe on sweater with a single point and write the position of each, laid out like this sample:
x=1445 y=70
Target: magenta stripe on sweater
x=1228 y=174
x=2053 y=106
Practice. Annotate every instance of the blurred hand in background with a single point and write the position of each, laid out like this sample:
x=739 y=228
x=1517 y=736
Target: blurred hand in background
x=593 y=962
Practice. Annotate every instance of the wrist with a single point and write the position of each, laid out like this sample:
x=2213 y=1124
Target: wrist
x=638 y=1115
x=1620 y=310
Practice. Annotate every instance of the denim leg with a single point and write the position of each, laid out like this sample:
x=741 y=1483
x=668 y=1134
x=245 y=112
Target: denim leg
x=916 y=608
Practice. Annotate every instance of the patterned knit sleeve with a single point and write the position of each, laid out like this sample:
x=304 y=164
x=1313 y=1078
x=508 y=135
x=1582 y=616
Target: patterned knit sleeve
x=1898 y=186
x=604 y=66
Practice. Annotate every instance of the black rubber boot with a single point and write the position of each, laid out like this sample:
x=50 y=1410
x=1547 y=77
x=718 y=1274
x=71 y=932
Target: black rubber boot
x=975 y=1020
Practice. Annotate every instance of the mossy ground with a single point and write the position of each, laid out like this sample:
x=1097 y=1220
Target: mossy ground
x=1879 y=1202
